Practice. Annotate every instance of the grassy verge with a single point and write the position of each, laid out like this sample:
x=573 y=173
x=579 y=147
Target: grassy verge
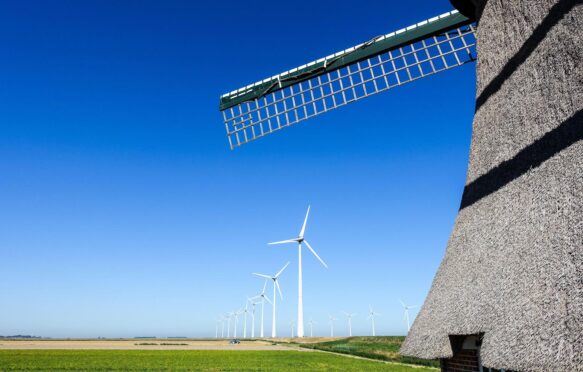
x=382 y=347
x=186 y=360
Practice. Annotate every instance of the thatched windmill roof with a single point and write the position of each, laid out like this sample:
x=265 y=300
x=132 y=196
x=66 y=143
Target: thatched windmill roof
x=513 y=268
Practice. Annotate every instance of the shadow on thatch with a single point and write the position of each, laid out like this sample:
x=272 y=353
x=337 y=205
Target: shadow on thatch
x=556 y=13
x=532 y=156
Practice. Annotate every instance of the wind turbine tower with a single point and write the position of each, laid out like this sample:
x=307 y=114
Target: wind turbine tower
x=275 y=280
x=299 y=240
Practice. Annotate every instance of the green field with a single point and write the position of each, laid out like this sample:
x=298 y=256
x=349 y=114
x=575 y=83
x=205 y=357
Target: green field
x=380 y=347
x=186 y=360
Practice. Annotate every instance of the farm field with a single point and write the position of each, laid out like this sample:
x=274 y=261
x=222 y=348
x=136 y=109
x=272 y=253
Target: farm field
x=188 y=360
x=379 y=347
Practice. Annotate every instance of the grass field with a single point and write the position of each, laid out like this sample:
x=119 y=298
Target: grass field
x=380 y=347
x=187 y=360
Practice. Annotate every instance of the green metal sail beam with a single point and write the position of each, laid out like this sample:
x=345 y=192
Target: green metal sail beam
x=384 y=63
x=435 y=26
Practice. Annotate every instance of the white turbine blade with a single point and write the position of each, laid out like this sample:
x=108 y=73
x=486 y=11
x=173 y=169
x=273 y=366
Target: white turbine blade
x=305 y=222
x=402 y=303
x=315 y=254
x=267 y=299
x=412 y=306
x=264 y=286
x=281 y=271
x=279 y=289
x=283 y=242
x=262 y=275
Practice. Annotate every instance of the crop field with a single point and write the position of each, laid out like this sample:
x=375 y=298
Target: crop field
x=188 y=360
x=380 y=347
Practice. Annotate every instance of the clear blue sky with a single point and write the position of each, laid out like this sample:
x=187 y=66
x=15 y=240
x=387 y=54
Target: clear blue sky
x=124 y=213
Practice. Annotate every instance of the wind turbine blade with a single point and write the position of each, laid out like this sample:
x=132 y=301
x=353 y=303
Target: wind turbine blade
x=402 y=303
x=264 y=286
x=315 y=254
x=281 y=271
x=283 y=242
x=412 y=306
x=279 y=289
x=267 y=299
x=262 y=275
x=305 y=222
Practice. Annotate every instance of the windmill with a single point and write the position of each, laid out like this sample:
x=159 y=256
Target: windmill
x=529 y=77
x=223 y=319
x=349 y=316
x=263 y=298
x=371 y=315
x=229 y=316
x=311 y=323
x=299 y=240
x=275 y=279
x=236 y=315
x=406 y=315
x=380 y=64
x=245 y=310
x=331 y=319
x=253 y=302
x=292 y=324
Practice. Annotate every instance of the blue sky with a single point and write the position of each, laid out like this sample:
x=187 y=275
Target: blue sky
x=124 y=213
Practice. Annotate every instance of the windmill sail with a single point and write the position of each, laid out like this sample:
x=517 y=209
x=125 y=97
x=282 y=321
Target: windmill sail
x=383 y=63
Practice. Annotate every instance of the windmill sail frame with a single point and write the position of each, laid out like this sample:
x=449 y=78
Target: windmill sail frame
x=387 y=61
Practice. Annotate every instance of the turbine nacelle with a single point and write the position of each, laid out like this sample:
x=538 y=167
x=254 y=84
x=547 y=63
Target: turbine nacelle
x=301 y=240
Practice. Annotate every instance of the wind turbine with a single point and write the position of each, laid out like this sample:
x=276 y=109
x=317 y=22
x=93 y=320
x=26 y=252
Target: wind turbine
x=264 y=298
x=299 y=240
x=245 y=310
x=275 y=279
x=406 y=309
x=293 y=326
x=349 y=322
x=223 y=326
x=311 y=323
x=229 y=316
x=217 y=328
x=371 y=315
x=253 y=303
x=236 y=313
x=331 y=319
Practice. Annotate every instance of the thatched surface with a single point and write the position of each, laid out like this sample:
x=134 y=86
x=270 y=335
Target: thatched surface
x=513 y=268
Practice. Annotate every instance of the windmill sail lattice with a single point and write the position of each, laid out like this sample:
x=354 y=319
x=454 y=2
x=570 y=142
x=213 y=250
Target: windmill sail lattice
x=383 y=63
